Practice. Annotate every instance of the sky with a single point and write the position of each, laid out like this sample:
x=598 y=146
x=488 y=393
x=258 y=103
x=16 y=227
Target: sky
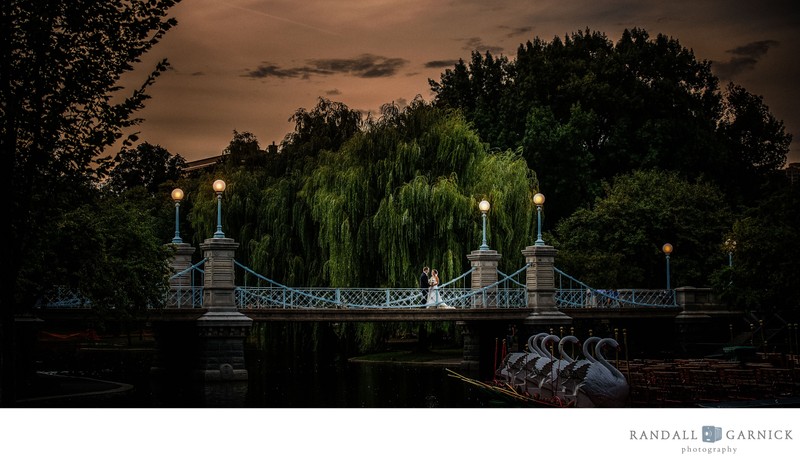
x=248 y=65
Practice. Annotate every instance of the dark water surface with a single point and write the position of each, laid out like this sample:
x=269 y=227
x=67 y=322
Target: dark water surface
x=270 y=385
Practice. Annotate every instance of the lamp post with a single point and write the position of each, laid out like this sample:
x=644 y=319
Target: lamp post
x=484 y=207
x=730 y=246
x=219 y=187
x=538 y=200
x=177 y=196
x=667 y=249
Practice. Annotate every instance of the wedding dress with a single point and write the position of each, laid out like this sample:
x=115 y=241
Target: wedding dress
x=435 y=299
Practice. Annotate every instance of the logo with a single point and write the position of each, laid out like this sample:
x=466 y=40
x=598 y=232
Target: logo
x=712 y=434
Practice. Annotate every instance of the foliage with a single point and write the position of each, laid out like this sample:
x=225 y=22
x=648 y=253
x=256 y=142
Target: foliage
x=110 y=251
x=618 y=242
x=146 y=166
x=60 y=64
x=755 y=140
x=765 y=276
x=326 y=127
x=584 y=110
x=400 y=193
x=397 y=197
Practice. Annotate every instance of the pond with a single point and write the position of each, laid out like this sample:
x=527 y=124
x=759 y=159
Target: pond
x=271 y=384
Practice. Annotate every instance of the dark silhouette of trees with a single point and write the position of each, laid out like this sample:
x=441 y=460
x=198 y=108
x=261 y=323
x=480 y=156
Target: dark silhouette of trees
x=584 y=110
x=617 y=243
x=146 y=166
x=62 y=107
x=325 y=127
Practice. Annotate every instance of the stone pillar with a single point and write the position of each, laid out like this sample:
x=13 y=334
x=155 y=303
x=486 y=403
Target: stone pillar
x=540 y=282
x=471 y=361
x=485 y=264
x=180 y=262
x=222 y=329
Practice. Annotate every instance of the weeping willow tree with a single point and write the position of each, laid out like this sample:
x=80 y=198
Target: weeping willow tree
x=399 y=194
x=404 y=193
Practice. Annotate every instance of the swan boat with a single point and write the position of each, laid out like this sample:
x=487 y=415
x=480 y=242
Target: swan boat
x=537 y=378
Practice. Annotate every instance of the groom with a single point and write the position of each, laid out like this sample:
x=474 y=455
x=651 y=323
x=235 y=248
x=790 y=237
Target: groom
x=423 y=284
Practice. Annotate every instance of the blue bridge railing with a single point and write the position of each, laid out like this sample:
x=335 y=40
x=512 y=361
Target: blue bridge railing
x=276 y=295
x=186 y=289
x=507 y=292
x=574 y=294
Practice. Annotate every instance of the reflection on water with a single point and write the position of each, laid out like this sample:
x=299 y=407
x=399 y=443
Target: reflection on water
x=359 y=385
x=270 y=385
x=276 y=380
x=347 y=385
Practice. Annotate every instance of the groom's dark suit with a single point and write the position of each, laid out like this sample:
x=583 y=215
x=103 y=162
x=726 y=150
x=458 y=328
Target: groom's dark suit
x=423 y=286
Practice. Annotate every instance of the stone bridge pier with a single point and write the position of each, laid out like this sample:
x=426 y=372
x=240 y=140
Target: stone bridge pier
x=213 y=345
x=541 y=290
x=540 y=283
x=222 y=329
x=475 y=333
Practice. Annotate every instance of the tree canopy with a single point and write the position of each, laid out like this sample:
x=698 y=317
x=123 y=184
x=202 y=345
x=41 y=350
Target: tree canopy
x=617 y=243
x=62 y=107
x=584 y=109
x=400 y=193
x=146 y=166
x=397 y=194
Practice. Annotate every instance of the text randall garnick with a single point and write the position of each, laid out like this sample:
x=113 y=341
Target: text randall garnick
x=733 y=434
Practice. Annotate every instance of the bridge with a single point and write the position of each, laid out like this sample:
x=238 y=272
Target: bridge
x=288 y=303
x=213 y=303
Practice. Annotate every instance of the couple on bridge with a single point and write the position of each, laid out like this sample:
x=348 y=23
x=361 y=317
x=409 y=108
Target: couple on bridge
x=429 y=287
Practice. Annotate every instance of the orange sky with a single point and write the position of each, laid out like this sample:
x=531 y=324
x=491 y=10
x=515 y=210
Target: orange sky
x=250 y=64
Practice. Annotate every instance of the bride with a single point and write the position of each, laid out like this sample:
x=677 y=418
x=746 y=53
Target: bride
x=434 y=299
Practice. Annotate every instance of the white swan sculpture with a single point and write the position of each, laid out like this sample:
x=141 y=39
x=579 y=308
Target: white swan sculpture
x=542 y=368
x=518 y=363
x=564 y=360
x=604 y=385
x=572 y=376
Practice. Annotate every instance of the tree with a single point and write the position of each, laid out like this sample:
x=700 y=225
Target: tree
x=755 y=141
x=146 y=166
x=110 y=250
x=242 y=150
x=584 y=110
x=326 y=127
x=618 y=242
x=399 y=193
x=764 y=277
x=60 y=64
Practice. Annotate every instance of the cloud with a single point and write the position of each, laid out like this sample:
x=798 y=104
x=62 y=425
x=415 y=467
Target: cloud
x=517 y=31
x=744 y=58
x=754 y=49
x=440 y=63
x=476 y=43
x=269 y=70
x=363 y=66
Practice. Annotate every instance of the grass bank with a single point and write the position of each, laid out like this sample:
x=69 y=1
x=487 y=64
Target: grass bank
x=406 y=353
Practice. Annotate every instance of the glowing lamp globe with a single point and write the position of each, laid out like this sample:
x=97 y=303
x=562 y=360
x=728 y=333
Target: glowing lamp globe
x=219 y=186
x=177 y=194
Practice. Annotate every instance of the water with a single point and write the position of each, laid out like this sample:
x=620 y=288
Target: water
x=275 y=385
x=348 y=385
